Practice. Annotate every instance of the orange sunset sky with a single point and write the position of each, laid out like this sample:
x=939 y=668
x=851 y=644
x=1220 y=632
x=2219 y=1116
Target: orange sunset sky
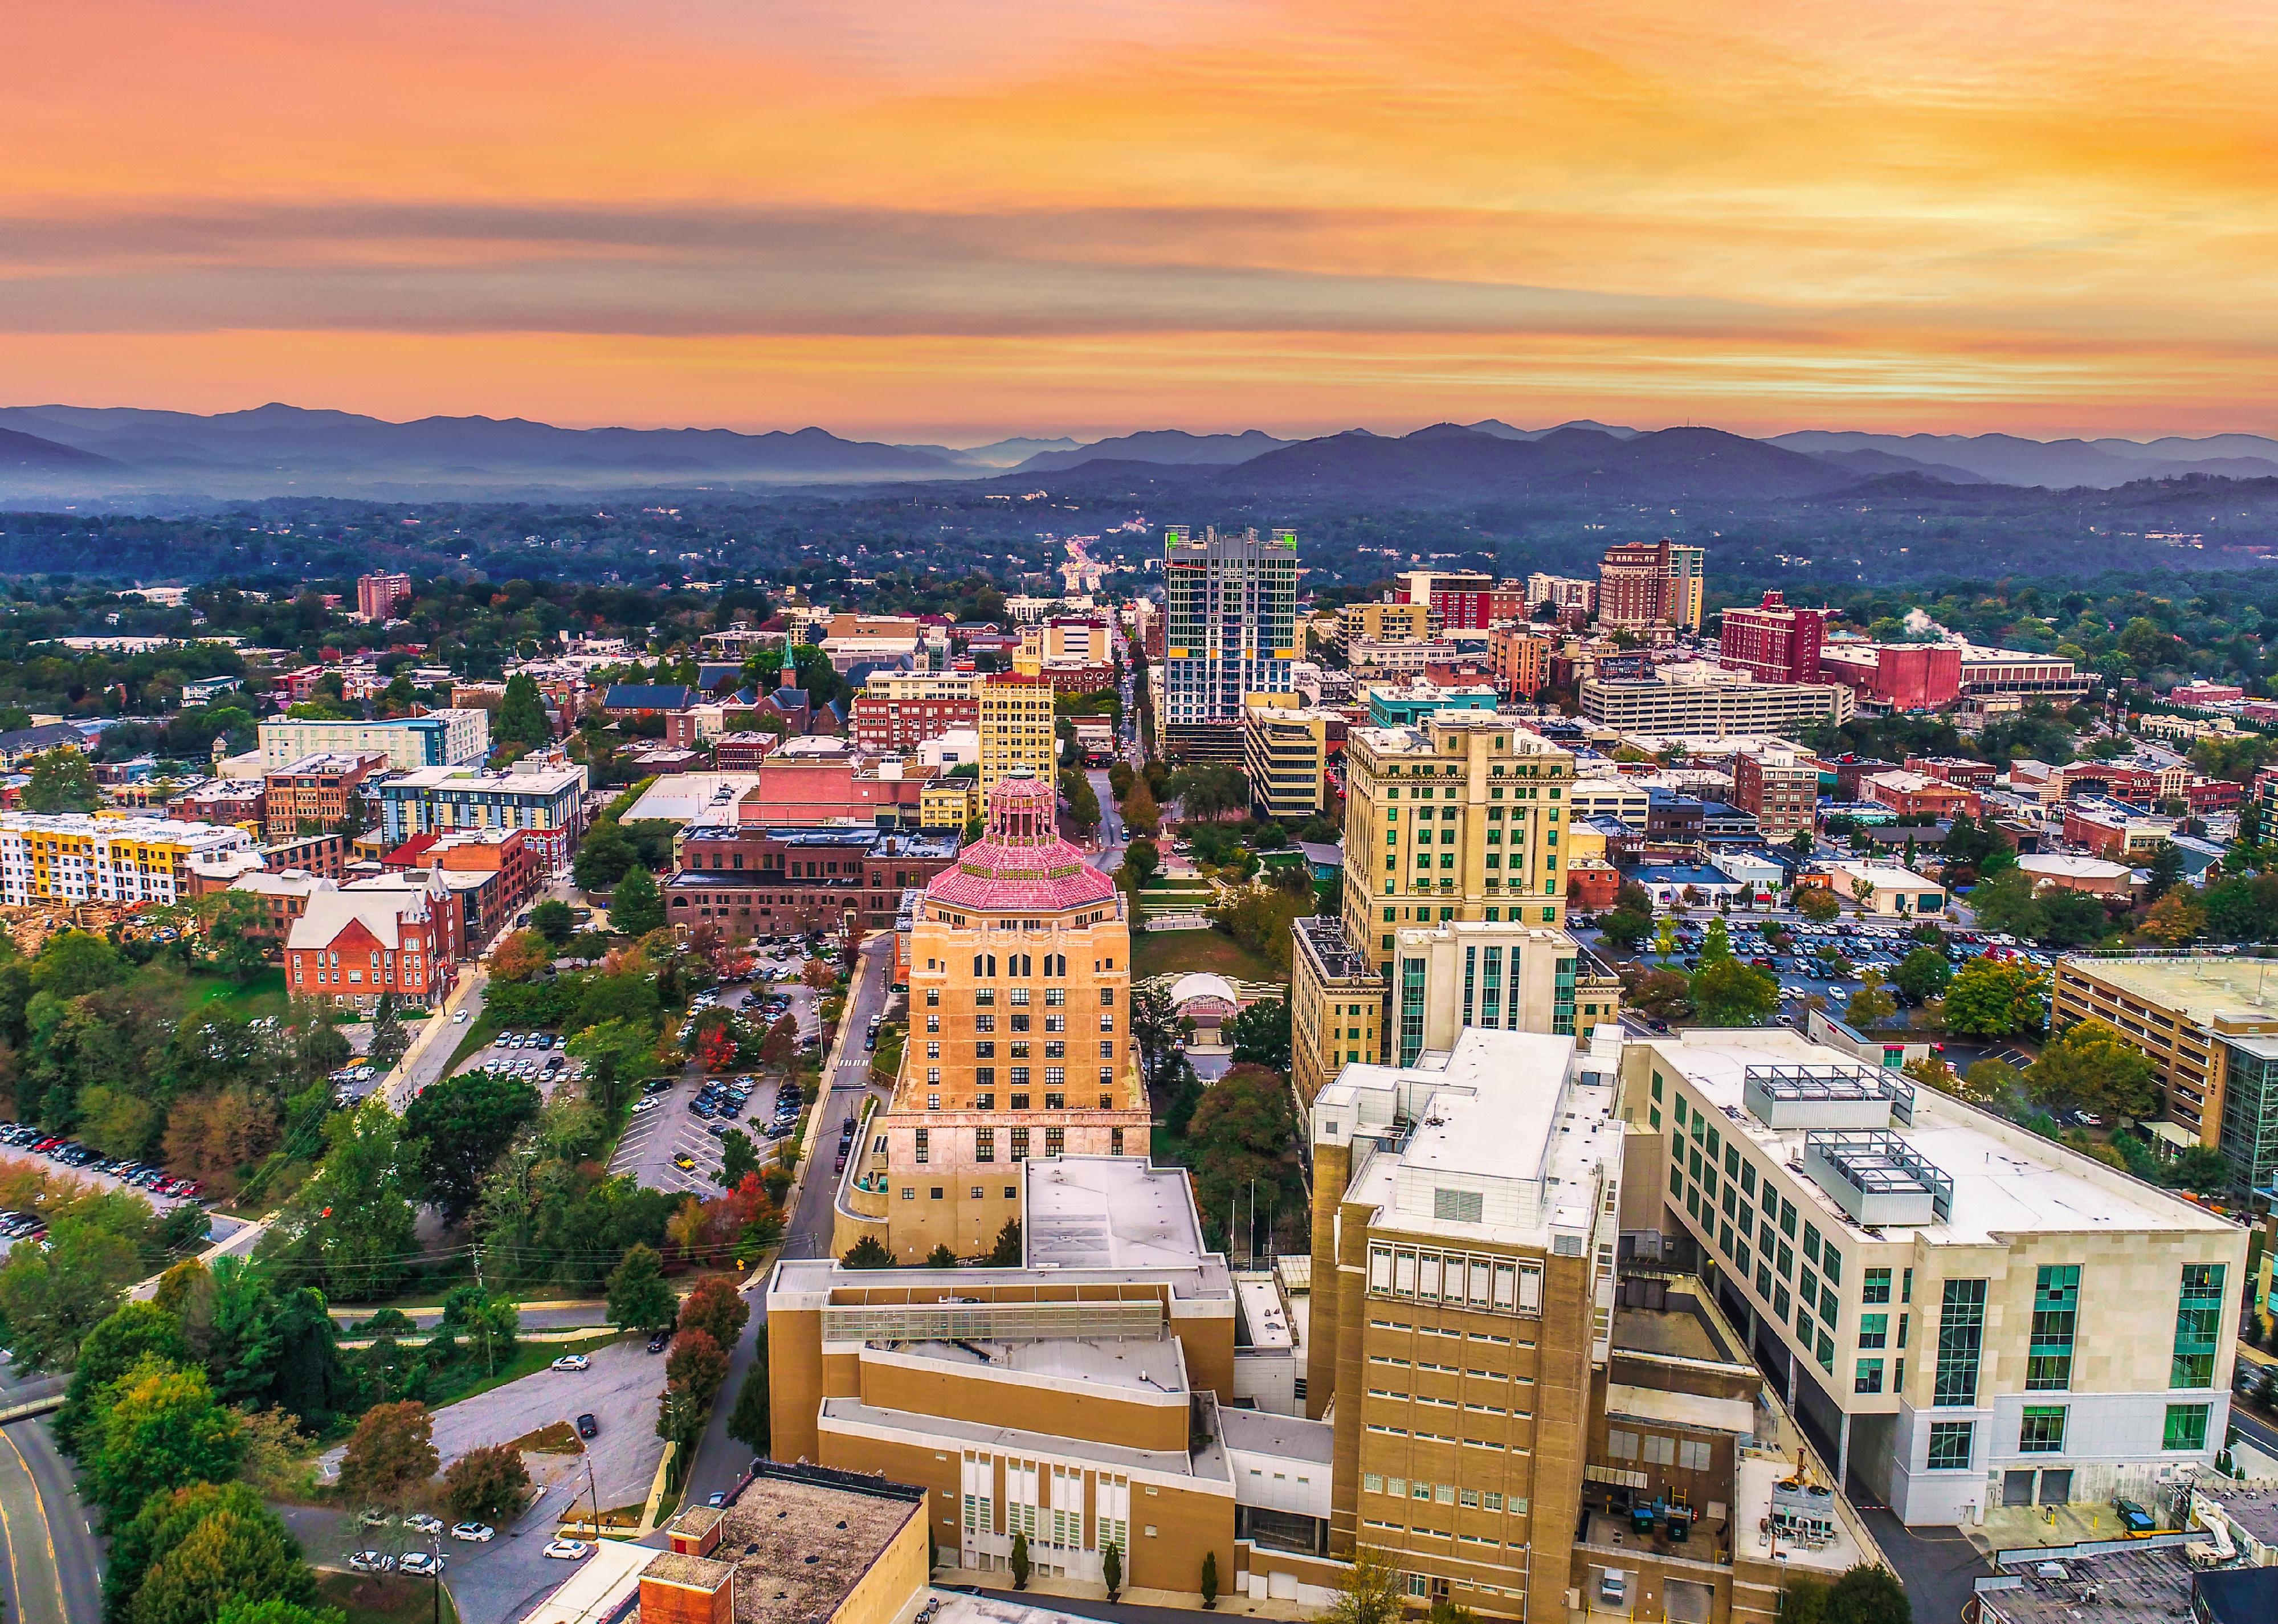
x=970 y=218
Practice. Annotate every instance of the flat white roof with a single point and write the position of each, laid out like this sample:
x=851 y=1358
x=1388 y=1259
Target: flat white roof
x=1155 y=1365
x=2007 y=1179
x=1262 y=1313
x=1736 y=1416
x=1108 y=1212
x=2075 y=867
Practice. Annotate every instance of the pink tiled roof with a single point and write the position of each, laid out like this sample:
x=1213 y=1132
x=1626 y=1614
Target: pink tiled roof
x=1002 y=877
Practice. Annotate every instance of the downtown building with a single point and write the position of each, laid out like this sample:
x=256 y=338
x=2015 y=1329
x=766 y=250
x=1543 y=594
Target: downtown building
x=1708 y=701
x=1643 y=584
x=439 y=739
x=1229 y=631
x=897 y=711
x=1962 y=1313
x=546 y=800
x=1018 y=1043
x=1773 y=642
x=69 y=857
x=1466 y=599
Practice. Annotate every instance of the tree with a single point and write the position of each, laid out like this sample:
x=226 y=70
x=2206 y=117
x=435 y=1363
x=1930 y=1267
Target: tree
x=521 y=717
x=868 y=1253
x=636 y=907
x=486 y=1484
x=162 y=1521
x=1803 y=1599
x=716 y=1308
x=1727 y=992
x=1260 y=1035
x=1155 y=1032
x=51 y=1297
x=351 y=1227
x=231 y=1553
x=1140 y=810
x=1817 y=903
x=2091 y=1066
x=640 y=1296
x=1866 y=1595
x=1665 y=995
x=553 y=920
x=2072 y=919
x=1242 y=1136
x=1715 y=944
x=747 y=1423
x=1625 y=929
x=738 y=1157
x=1210 y=1580
x=1372 y=1592
x=2166 y=864
x=1006 y=1251
x=604 y=856
x=1991 y=1083
x=697 y=1362
x=617 y=1053
x=1084 y=800
x=390 y=1454
x=236 y=935
x=1143 y=860
x=63 y=780
x=388 y=1040
x=941 y=1257
x=158 y=1428
x=113 y=1347
x=1111 y=1570
x=1923 y=974
x=2174 y=919
x=2004 y=903
x=1994 y=998
x=1870 y=1005
x=463 y=1124
x=1019 y=1562
x=523 y=956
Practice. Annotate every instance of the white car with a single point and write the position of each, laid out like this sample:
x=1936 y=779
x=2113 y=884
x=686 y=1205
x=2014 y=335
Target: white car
x=573 y=1361
x=569 y=1550
x=475 y=1533
x=424 y=1523
x=421 y=1565
x=371 y=1562
x=648 y=1104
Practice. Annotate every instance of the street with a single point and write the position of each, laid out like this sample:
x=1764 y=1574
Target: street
x=721 y=1460
x=55 y=1562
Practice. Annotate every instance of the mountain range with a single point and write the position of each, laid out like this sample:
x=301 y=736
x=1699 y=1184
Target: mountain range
x=49 y=453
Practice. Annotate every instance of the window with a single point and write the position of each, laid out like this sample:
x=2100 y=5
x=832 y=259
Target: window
x=2056 y=1304
x=1961 y=1338
x=1868 y=1377
x=1949 y=1445
x=1020 y=1144
x=2187 y=1427
x=2198 y=1314
x=1874 y=1331
x=923 y=1147
x=1875 y=1287
x=2042 y=1430
x=984 y=1145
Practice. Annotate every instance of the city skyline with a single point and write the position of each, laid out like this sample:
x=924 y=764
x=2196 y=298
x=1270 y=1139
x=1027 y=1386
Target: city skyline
x=905 y=223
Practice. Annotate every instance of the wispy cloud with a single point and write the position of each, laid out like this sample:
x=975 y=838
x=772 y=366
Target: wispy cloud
x=1094 y=214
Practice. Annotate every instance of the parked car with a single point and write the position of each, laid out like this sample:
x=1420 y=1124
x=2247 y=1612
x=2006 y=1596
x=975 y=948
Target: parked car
x=424 y=1523
x=660 y=1342
x=474 y=1533
x=587 y=1427
x=573 y=1361
x=569 y=1550
x=421 y=1565
x=371 y=1562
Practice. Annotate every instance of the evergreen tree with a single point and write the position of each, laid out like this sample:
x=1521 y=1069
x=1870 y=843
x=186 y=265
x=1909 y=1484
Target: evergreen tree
x=640 y=1296
x=636 y=907
x=748 y=1422
x=868 y=1253
x=521 y=718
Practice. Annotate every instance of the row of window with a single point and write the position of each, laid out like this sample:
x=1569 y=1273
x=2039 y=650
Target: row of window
x=2041 y=1431
x=1442 y=1494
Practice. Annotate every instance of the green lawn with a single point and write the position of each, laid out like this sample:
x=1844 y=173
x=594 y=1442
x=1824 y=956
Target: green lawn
x=1155 y=953
x=384 y=1598
x=480 y=1030
x=263 y=995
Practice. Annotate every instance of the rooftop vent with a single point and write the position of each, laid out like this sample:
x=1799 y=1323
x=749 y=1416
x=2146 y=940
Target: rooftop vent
x=1878 y=1177
x=1827 y=1096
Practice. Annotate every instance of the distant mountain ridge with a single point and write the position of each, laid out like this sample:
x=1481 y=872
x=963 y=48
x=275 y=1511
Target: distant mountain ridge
x=57 y=451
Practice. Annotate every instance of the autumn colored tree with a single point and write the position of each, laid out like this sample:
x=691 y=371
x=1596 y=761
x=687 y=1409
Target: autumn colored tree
x=158 y=1427
x=231 y=1553
x=390 y=1455
x=716 y=1308
x=486 y=1484
x=696 y=1364
x=523 y=956
x=2174 y=919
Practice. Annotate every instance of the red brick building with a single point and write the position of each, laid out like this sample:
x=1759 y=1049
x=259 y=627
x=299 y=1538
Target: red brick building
x=1901 y=676
x=1955 y=769
x=514 y=869
x=1914 y=794
x=312 y=795
x=1782 y=795
x=1518 y=661
x=352 y=946
x=888 y=722
x=1773 y=642
x=743 y=751
x=1467 y=600
x=748 y=881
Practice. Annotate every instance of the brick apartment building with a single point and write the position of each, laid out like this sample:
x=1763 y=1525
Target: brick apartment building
x=313 y=795
x=1518 y=661
x=1780 y=791
x=748 y=881
x=900 y=712
x=1773 y=642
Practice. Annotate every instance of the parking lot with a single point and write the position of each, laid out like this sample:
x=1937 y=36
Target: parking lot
x=538 y=1056
x=1802 y=969
x=68 y=1159
x=665 y=1131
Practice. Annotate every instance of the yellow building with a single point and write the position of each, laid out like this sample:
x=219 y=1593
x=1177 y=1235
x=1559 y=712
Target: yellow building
x=1458 y=816
x=1285 y=753
x=1016 y=727
x=1019 y=1038
x=949 y=803
x=90 y=857
x=1384 y=621
x=1464 y=1227
x=1336 y=1006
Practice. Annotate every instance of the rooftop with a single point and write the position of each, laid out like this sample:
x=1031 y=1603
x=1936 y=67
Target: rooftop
x=2004 y=1180
x=800 y=1547
x=1138 y=1366
x=2134 y=1585
x=2209 y=988
x=1207 y=1463
x=1108 y=1213
x=1499 y=1138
